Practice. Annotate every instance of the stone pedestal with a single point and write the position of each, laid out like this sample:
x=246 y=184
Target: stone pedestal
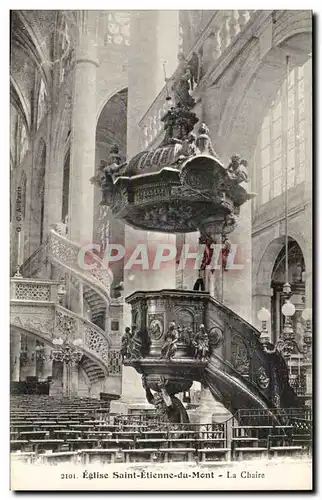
x=211 y=410
x=48 y=364
x=82 y=161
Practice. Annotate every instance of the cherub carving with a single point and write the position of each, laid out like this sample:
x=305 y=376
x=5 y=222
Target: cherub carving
x=237 y=168
x=203 y=141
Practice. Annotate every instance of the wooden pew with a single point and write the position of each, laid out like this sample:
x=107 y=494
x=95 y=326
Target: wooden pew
x=140 y=454
x=178 y=454
x=117 y=443
x=40 y=445
x=79 y=444
x=19 y=445
x=106 y=455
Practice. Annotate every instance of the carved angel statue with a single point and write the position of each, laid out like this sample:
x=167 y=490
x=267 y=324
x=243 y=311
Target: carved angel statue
x=189 y=148
x=181 y=82
x=169 y=407
x=203 y=142
x=200 y=343
x=170 y=345
x=108 y=169
x=237 y=168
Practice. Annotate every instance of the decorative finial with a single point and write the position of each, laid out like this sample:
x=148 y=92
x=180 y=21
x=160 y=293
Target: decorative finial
x=18 y=273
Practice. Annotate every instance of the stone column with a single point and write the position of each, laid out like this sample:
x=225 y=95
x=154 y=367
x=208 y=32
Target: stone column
x=154 y=39
x=48 y=364
x=74 y=380
x=15 y=341
x=83 y=132
x=237 y=284
x=29 y=368
x=210 y=409
x=308 y=183
x=56 y=387
x=232 y=287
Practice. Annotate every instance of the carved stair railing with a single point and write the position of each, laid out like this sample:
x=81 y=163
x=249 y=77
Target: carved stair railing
x=218 y=43
x=70 y=255
x=34 y=309
x=240 y=364
x=96 y=281
x=238 y=369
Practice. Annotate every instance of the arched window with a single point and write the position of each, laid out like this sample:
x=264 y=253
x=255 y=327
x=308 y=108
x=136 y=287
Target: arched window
x=270 y=153
x=295 y=278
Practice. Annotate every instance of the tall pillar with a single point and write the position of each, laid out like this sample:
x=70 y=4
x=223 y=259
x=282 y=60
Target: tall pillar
x=154 y=41
x=74 y=380
x=15 y=341
x=83 y=132
x=149 y=48
x=237 y=280
x=235 y=283
x=28 y=369
x=56 y=386
x=48 y=363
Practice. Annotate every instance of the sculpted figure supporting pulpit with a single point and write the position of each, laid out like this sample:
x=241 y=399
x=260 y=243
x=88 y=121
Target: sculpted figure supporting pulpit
x=169 y=407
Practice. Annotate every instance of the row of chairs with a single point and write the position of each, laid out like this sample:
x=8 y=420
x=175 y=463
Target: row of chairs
x=62 y=427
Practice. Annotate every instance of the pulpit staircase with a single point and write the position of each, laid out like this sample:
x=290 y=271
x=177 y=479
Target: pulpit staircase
x=239 y=371
x=94 y=285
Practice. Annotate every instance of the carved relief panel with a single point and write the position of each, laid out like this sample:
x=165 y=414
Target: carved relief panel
x=240 y=358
